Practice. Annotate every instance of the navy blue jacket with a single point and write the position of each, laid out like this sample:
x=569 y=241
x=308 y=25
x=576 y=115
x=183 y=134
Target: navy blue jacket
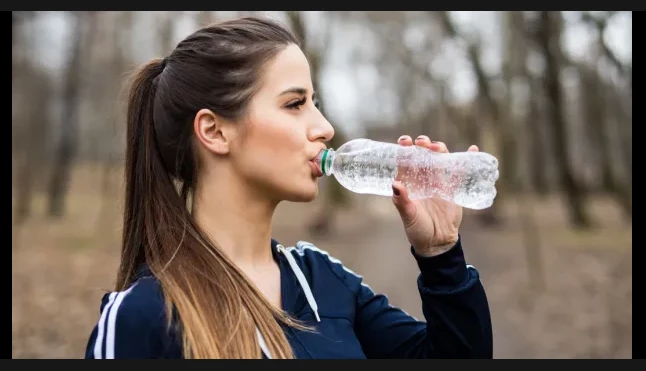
x=351 y=320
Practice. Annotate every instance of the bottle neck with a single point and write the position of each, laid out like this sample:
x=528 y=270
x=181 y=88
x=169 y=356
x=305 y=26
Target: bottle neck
x=327 y=159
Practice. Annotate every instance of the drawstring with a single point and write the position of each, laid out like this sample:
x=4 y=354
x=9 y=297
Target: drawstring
x=301 y=279
x=306 y=289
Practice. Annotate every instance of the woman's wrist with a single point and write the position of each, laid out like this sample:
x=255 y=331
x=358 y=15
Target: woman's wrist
x=444 y=270
x=434 y=250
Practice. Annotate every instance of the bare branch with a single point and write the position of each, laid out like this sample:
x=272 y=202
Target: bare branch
x=601 y=23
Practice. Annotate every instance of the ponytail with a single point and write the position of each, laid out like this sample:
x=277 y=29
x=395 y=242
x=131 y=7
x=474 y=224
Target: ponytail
x=138 y=168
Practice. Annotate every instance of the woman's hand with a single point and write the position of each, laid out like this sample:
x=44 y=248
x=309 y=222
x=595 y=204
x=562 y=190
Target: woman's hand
x=431 y=224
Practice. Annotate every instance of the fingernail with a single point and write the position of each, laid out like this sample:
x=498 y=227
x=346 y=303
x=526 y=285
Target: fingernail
x=401 y=138
x=395 y=191
x=434 y=141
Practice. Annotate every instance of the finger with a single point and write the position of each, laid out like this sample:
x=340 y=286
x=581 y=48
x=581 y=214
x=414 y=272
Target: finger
x=403 y=203
x=423 y=141
x=439 y=147
x=405 y=140
x=473 y=148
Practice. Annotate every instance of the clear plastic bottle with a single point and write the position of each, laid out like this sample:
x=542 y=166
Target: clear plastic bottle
x=370 y=167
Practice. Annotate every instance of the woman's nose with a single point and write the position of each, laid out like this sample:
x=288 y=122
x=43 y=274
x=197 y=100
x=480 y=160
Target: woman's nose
x=322 y=130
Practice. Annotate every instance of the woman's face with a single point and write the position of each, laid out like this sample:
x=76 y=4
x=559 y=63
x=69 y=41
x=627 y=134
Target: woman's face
x=283 y=131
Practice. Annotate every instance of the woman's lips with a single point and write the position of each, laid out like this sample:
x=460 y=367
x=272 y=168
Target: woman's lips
x=316 y=170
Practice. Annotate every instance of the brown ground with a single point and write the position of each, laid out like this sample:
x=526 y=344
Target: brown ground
x=60 y=270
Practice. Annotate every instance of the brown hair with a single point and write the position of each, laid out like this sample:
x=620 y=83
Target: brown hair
x=218 y=67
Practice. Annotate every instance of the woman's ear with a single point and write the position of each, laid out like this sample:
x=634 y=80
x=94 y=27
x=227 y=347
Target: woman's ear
x=213 y=132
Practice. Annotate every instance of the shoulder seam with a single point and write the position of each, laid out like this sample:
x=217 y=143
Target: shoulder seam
x=301 y=245
x=329 y=259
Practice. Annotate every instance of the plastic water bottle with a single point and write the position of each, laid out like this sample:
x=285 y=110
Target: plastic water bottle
x=370 y=167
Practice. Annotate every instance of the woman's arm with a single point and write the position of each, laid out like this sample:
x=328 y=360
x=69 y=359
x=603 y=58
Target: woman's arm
x=455 y=307
x=454 y=303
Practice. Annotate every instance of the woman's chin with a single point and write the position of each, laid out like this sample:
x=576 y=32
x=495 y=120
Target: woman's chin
x=305 y=194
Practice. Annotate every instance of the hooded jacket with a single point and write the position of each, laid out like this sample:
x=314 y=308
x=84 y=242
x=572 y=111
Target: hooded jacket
x=350 y=319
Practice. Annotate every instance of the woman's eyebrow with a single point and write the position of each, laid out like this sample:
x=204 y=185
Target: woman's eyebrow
x=297 y=90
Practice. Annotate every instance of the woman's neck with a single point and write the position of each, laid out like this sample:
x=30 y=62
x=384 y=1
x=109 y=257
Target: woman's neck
x=237 y=220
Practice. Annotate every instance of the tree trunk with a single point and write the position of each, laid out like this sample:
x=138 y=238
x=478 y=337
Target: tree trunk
x=514 y=57
x=335 y=195
x=549 y=38
x=594 y=115
x=537 y=148
x=166 y=29
x=538 y=153
x=67 y=147
x=118 y=62
x=505 y=140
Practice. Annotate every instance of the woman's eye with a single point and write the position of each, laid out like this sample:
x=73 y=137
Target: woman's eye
x=296 y=104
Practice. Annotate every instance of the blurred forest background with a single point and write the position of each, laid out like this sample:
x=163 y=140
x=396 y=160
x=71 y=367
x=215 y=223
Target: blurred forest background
x=548 y=93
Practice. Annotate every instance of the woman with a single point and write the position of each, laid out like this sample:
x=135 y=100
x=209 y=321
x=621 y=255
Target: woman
x=218 y=134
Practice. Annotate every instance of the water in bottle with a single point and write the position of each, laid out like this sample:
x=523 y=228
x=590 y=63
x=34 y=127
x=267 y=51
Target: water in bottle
x=370 y=167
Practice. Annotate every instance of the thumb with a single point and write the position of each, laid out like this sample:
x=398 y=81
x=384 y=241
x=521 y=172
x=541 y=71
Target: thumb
x=403 y=204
